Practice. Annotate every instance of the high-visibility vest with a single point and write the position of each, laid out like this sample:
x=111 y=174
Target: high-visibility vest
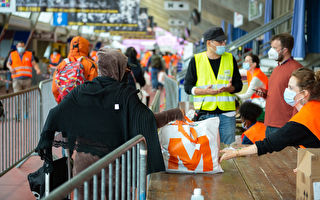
x=205 y=77
x=144 y=60
x=22 y=67
x=309 y=117
x=94 y=56
x=261 y=76
x=256 y=132
x=55 y=59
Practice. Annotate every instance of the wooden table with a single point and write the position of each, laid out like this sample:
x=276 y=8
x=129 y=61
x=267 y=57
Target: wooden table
x=254 y=177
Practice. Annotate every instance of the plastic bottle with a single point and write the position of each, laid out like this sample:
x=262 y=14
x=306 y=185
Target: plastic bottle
x=197 y=194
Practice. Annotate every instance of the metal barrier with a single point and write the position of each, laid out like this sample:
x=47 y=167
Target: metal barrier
x=172 y=93
x=133 y=175
x=47 y=100
x=155 y=105
x=20 y=127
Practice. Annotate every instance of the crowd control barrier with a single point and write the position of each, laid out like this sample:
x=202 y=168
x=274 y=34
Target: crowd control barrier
x=130 y=161
x=20 y=127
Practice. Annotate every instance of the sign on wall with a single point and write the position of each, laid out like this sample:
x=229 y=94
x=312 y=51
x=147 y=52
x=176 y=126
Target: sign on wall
x=87 y=6
x=7 y=6
x=255 y=9
x=176 y=5
x=237 y=19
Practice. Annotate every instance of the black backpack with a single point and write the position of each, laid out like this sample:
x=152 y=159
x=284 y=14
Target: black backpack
x=156 y=62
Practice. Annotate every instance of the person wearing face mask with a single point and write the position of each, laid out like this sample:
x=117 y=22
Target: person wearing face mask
x=256 y=79
x=212 y=78
x=254 y=130
x=54 y=61
x=277 y=111
x=303 y=129
x=102 y=115
x=20 y=64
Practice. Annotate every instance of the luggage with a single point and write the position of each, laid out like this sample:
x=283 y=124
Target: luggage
x=41 y=182
x=191 y=147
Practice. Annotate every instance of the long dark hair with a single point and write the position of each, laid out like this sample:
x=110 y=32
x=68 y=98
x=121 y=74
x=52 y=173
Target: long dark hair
x=131 y=53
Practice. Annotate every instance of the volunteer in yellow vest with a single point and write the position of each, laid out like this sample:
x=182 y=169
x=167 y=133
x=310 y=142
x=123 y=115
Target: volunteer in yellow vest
x=303 y=128
x=212 y=77
x=20 y=64
x=256 y=79
x=255 y=130
x=54 y=61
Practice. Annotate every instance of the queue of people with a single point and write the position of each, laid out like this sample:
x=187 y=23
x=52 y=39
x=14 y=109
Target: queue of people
x=108 y=111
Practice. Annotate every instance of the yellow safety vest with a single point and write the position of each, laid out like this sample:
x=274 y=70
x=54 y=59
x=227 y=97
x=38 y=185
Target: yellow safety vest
x=205 y=77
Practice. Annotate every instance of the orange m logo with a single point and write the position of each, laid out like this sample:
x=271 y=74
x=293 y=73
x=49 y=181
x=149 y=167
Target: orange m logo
x=176 y=149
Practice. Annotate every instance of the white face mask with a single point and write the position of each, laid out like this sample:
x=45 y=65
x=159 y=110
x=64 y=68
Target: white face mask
x=20 y=49
x=273 y=54
x=246 y=66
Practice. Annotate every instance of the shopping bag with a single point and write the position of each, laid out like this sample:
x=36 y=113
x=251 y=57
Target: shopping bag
x=191 y=147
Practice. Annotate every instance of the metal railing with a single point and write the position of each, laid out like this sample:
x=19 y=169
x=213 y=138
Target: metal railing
x=20 y=127
x=133 y=166
x=155 y=105
x=47 y=100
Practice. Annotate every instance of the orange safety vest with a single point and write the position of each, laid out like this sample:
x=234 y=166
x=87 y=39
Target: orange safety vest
x=94 y=56
x=145 y=59
x=55 y=59
x=22 y=67
x=261 y=76
x=256 y=132
x=308 y=116
x=167 y=60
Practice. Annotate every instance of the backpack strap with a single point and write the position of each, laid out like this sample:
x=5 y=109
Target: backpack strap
x=66 y=60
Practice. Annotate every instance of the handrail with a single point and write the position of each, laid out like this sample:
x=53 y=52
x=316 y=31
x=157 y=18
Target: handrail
x=155 y=105
x=259 y=31
x=95 y=168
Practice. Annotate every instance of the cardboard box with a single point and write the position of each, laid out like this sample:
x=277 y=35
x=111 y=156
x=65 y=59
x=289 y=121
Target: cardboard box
x=308 y=175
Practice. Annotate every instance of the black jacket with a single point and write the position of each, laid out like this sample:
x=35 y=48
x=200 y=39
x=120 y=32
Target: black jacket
x=99 y=116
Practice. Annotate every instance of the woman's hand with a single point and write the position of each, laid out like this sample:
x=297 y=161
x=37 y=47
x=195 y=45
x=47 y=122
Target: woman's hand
x=228 y=154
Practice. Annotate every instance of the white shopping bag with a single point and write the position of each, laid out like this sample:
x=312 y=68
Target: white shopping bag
x=191 y=147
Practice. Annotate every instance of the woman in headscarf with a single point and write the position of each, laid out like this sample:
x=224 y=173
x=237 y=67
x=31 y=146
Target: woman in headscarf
x=100 y=115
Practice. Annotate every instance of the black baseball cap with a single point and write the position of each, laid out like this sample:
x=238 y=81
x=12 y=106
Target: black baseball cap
x=214 y=33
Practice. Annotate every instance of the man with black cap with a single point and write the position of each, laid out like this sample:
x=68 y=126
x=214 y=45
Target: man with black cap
x=212 y=78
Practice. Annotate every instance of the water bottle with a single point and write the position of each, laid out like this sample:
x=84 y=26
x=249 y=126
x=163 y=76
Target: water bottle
x=197 y=194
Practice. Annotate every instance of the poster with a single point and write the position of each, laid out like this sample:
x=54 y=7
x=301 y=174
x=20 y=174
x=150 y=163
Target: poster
x=136 y=22
x=255 y=9
x=70 y=6
x=7 y=6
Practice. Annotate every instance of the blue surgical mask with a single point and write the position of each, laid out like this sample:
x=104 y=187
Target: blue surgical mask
x=220 y=50
x=20 y=49
x=246 y=66
x=289 y=96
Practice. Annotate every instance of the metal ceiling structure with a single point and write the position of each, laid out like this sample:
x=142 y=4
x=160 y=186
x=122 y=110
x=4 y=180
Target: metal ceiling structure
x=212 y=13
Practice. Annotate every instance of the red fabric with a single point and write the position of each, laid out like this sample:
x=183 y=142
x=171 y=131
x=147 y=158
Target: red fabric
x=277 y=111
x=261 y=76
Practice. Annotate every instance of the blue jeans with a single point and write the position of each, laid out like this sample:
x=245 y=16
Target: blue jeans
x=8 y=73
x=154 y=78
x=227 y=127
x=270 y=130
